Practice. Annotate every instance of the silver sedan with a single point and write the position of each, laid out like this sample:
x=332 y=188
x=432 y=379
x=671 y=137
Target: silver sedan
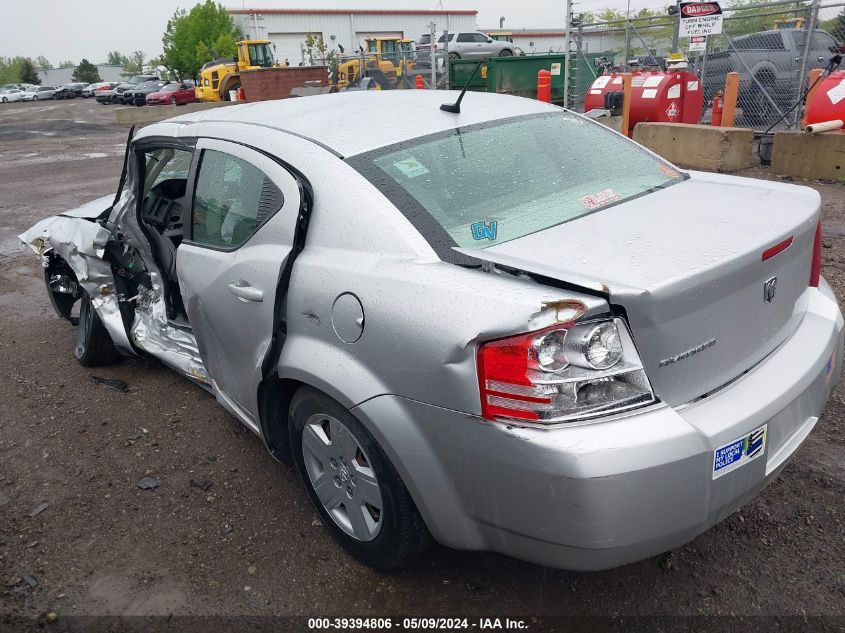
x=506 y=328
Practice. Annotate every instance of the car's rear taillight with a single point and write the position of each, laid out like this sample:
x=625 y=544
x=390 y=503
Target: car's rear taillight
x=563 y=373
x=816 y=266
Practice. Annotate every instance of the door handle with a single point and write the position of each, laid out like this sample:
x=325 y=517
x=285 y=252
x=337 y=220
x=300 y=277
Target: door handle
x=243 y=291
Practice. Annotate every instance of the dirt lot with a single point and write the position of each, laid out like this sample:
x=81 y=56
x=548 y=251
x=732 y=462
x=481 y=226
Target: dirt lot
x=250 y=544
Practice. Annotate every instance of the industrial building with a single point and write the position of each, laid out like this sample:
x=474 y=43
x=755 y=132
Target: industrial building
x=342 y=28
x=60 y=76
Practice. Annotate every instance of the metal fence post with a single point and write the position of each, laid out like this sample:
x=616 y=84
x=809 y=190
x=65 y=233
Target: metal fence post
x=566 y=46
x=446 y=69
x=432 y=29
x=627 y=33
x=805 y=58
x=676 y=29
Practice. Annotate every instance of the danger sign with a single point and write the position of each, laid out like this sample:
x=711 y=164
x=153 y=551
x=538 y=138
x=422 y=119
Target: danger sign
x=700 y=18
x=698 y=43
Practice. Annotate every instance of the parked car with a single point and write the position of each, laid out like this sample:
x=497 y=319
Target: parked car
x=11 y=94
x=105 y=97
x=115 y=95
x=768 y=63
x=44 y=92
x=566 y=363
x=91 y=89
x=138 y=95
x=173 y=94
x=474 y=45
x=69 y=91
x=29 y=94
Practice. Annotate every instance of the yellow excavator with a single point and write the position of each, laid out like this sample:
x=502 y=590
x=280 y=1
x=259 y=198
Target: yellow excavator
x=386 y=59
x=220 y=76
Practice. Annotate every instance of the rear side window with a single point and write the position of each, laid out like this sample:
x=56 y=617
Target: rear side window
x=232 y=199
x=466 y=37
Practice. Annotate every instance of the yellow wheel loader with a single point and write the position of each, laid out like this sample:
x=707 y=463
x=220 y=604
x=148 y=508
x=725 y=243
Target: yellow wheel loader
x=386 y=59
x=219 y=76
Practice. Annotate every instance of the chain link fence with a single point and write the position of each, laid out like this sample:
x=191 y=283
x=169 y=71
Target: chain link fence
x=772 y=45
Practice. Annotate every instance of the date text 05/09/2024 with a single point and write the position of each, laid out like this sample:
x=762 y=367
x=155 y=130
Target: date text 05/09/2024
x=413 y=624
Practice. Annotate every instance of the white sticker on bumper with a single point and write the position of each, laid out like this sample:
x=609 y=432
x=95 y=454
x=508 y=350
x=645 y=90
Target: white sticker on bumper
x=728 y=457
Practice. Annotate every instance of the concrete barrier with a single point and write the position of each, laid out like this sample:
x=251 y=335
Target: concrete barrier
x=810 y=156
x=133 y=115
x=613 y=122
x=705 y=147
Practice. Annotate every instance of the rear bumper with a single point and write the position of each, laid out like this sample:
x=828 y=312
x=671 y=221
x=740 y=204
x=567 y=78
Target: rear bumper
x=605 y=494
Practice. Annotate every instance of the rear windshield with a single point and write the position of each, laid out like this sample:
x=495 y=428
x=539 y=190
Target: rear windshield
x=488 y=184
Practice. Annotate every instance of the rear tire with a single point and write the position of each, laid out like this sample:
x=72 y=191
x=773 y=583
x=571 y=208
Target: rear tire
x=393 y=536
x=454 y=56
x=35 y=98
x=94 y=346
x=506 y=53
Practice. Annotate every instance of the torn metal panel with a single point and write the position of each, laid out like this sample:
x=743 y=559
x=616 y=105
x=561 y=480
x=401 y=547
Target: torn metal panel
x=81 y=244
x=173 y=345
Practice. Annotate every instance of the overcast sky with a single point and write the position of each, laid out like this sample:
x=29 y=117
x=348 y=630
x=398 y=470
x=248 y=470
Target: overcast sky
x=70 y=30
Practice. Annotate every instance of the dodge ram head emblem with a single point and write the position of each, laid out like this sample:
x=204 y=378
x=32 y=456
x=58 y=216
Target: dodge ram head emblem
x=770 y=288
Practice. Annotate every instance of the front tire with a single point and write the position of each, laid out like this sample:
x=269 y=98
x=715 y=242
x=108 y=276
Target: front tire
x=356 y=490
x=173 y=101
x=94 y=346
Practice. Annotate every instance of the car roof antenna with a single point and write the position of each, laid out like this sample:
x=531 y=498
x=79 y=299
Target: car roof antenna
x=456 y=107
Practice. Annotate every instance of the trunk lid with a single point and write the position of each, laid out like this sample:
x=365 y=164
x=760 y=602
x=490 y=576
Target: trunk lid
x=686 y=264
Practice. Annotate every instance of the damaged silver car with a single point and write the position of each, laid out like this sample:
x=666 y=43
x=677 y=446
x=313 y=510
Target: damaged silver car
x=504 y=327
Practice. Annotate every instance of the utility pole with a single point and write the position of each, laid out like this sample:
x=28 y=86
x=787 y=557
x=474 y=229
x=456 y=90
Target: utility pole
x=567 y=42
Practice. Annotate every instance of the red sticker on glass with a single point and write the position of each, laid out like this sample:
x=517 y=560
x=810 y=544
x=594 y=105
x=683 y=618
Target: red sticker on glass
x=596 y=200
x=669 y=171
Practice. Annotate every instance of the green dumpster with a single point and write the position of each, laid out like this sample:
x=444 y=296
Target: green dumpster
x=461 y=69
x=518 y=75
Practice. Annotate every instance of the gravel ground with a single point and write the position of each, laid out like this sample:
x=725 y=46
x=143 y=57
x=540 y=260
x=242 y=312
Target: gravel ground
x=78 y=537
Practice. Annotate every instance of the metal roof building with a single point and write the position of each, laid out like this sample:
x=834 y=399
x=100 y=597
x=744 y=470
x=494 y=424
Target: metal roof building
x=346 y=28
x=59 y=76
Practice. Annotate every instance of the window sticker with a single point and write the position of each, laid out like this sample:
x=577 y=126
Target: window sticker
x=650 y=93
x=484 y=230
x=411 y=167
x=601 y=81
x=596 y=200
x=669 y=171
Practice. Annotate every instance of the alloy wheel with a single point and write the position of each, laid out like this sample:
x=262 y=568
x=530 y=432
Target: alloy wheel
x=342 y=477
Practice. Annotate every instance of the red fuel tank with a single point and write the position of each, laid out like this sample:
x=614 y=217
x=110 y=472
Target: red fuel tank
x=661 y=96
x=828 y=102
